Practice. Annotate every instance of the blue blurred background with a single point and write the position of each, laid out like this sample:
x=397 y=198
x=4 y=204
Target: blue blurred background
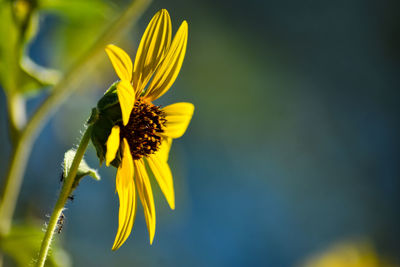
x=294 y=144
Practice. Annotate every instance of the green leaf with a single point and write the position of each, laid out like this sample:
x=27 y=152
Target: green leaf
x=33 y=77
x=23 y=243
x=83 y=169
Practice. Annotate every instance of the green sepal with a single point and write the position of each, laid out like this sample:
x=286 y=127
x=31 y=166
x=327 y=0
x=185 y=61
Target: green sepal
x=83 y=169
x=93 y=117
x=107 y=114
x=101 y=131
x=109 y=99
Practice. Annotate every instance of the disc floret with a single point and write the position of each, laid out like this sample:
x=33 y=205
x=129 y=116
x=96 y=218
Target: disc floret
x=143 y=130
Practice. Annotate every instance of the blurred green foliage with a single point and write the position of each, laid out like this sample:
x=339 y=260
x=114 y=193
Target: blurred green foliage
x=23 y=243
x=78 y=23
x=18 y=24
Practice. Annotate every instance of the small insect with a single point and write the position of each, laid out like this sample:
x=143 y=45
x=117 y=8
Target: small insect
x=71 y=197
x=60 y=223
x=62 y=177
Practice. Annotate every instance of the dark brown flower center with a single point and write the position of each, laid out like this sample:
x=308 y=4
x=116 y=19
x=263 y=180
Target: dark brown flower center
x=143 y=129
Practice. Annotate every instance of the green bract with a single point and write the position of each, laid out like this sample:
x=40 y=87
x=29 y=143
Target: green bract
x=83 y=169
x=104 y=117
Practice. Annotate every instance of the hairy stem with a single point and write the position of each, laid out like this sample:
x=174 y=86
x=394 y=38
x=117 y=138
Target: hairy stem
x=60 y=92
x=63 y=197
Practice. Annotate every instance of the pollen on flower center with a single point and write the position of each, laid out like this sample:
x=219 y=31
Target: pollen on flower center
x=143 y=130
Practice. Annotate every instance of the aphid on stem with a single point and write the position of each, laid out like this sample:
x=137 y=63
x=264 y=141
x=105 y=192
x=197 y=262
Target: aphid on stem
x=60 y=223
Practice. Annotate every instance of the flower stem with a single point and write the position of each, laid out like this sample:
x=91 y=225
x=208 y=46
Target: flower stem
x=63 y=197
x=60 y=92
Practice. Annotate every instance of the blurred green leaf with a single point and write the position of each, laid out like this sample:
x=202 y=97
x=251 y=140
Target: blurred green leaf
x=8 y=47
x=75 y=28
x=19 y=73
x=26 y=19
x=77 y=9
x=83 y=168
x=80 y=24
x=23 y=243
x=34 y=77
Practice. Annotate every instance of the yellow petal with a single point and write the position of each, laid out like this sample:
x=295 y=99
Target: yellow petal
x=127 y=197
x=152 y=49
x=169 y=69
x=146 y=196
x=121 y=62
x=126 y=97
x=112 y=144
x=163 y=151
x=163 y=175
x=177 y=117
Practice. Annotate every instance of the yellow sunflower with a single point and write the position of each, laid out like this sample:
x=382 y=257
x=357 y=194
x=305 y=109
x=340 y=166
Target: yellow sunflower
x=144 y=134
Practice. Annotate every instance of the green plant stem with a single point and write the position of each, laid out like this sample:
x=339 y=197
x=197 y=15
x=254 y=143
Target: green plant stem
x=60 y=92
x=63 y=197
x=16 y=115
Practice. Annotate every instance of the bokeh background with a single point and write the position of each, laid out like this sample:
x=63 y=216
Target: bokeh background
x=293 y=147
